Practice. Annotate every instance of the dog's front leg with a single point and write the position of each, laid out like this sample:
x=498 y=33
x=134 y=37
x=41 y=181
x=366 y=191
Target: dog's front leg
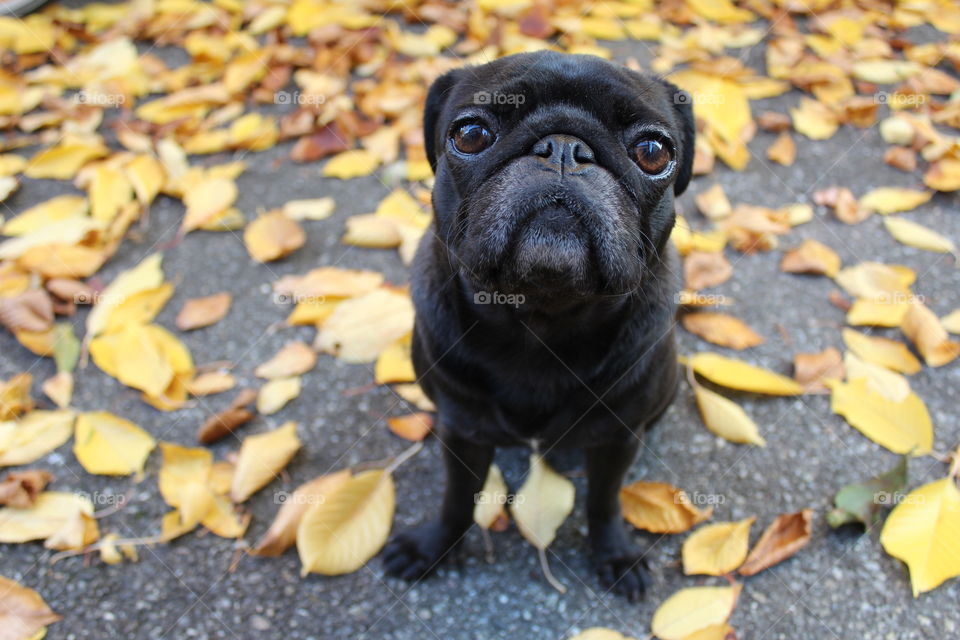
x=416 y=552
x=618 y=561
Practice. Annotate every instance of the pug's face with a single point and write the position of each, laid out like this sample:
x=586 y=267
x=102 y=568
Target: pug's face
x=555 y=173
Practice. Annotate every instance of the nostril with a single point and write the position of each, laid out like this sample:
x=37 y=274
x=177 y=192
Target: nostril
x=582 y=153
x=544 y=148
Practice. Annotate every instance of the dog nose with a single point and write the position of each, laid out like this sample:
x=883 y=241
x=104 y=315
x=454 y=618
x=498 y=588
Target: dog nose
x=563 y=153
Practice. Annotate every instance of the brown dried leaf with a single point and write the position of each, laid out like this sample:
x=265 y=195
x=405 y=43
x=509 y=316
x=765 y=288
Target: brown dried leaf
x=702 y=270
x=30 y=311
x=786 y=535
x=203 y=312
x=223 y=424
x=783 y=150
x=811 y=369
x=413 y=426
x=23 y=613
x=811 y=257
x=21 y=488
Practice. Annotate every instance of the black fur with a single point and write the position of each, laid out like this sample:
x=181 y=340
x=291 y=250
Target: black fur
x=577 y=350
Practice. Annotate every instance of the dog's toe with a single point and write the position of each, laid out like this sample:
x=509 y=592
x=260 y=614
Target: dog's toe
x=413 y=554
x=625 y=575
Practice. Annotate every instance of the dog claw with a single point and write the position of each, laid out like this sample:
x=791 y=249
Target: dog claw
x=415 y=553
x=624 y=575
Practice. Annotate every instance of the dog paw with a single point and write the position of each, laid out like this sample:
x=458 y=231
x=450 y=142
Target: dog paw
x=624 y=574
x=618 y=561
x=415 y=553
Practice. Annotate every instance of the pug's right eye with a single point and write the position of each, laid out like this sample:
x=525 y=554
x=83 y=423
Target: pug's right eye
x=472 y=138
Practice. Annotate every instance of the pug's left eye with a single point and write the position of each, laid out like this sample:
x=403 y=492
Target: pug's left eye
x=652 y=156
x=472 y=138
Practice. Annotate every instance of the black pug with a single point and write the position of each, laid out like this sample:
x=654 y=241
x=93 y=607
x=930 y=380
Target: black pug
x=545 y=293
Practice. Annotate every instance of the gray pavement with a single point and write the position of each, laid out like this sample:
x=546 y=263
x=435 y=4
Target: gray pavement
x=842 y=586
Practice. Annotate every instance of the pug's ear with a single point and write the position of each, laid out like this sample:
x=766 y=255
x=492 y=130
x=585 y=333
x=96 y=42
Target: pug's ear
x=682 y=105
x=436 y=99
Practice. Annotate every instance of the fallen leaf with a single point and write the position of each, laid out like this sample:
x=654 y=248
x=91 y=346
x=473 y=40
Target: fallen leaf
x=542 y=503
x=861 y=501
x=20 y=489
x=660 y=508
x=294 y=359
x=894 y=199
x=282 y=533
x=783 y=150
x=726 y=418
x=924 y=329
x=918 y=236
x=736 y=374
x=106 y=444
x=206 y=199
x=325 y=282
x=877 y=281
x=261 y=458
x=882 y=351
x=52 y=511
x=316 y=209
x=210 y=383
x=814 y=119
x=491 y=502
x=716 y=549
x=33 y=436
x=145 y=276
x=924 y=531
x=901 y=427
x=599 y=633
x=23 y=613
x=350 y=526
x=877 y=313
x=713 y=203
x=785 y=536
x=273 y=236
x=395 y=363
x=222 y=424
x=29 y=311
x=811 y=369
x=203 y=312
x=360 y=328
x=354 y=163
x=275 y=394
x=951 y=321
x=702 y=270
x=721 y=329
x=414 y=426
x=15 y=396
x=889 y=384
x=692 y=609
x=811 y=257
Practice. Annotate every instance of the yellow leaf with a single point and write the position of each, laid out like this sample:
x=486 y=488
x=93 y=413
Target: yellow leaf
x=814 y=119
x=811 y=257
x=901 y=427
x=316 y=209
x=716 y=100
x=33 y=436
x=351 y=164
x=394 y=364
x=273 y=236
x=492 y=499
x=889 y=384
x=146 y=176
x=882 y=351
x=924 y=531
x=64 y=160
x=884 y=71
x=206 y=199
x=599 y=633
x=182 y=467
x=660 y=508
x=140 y=308
x=340 y=534
x=877 y=313
x=276 y=393
x=951 y=321
x=108 y=445
x=923 y=328
x=894 y=199
x=360 y=328
x=146 y=275
x=690 y=610
x=713 y=203
x=59 y=388
x=542 y=503
x=69 y=231
x=371 y=232
x=47 y=516
x=261 y=458
x=293 y=359
x=726 y=418
x=721 y=329
x=722 y=11
x=78 y=531
x=327 y=282
x=918 y=236
x=53 y=211
x=109 y=192
x=24 y=614
x=716 y=549
x=282 y=533
x=15 y=396
x=736 y=374
x=877 y=281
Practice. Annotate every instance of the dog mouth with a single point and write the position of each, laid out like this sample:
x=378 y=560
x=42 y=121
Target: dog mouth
x=551 y=251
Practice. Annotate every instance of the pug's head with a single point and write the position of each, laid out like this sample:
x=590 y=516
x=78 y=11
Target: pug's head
x=555 y=174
